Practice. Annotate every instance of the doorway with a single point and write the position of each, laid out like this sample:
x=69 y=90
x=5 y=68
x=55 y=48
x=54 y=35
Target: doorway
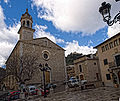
x=119 y=76
x=81 y=77
x=47 y=77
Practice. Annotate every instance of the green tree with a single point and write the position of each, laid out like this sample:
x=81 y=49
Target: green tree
x=71 y=57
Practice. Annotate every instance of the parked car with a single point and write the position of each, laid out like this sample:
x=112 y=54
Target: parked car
x=73 y=82
x=32 y=90
x=83 y=82
x=35 y=92
x=42 y=92
x=13 y=95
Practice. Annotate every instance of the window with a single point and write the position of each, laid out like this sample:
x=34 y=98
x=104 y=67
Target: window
x=45 y=54
x=23 y=23
x=31 y=24
x=77 y=77
x=115 y=43
x=119 y=41
x=68 y=69
x=117 y=59
x=80 y=68
x=81 y=77
x=103 y=49
x=105 y=62
x=106 y=47
x=28 y=23
x=97 y=76
x=111 y=45
x=114 y=78
x=94 y=63
x=108 y=77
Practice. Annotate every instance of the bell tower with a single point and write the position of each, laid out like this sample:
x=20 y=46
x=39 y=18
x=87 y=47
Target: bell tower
x=26 y=31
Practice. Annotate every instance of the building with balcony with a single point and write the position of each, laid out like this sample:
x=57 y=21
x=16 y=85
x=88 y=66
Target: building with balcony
x=109 y=59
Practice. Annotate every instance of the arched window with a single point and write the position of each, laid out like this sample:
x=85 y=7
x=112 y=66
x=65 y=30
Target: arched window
x=28 y=23
x=81 y=77
x=45 y=55
x=23 y=23
x=80 y=68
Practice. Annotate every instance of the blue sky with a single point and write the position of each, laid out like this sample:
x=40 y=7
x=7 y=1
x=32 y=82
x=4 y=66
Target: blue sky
x=75 y=25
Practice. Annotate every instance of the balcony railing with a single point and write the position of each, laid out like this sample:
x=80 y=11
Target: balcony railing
x=112 y=65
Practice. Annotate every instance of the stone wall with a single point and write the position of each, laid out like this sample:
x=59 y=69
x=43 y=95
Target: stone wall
x=108 y=54
x=55 y=61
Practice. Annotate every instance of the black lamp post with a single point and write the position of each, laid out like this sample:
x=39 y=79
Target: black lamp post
x=43 y=69
x=105 y=11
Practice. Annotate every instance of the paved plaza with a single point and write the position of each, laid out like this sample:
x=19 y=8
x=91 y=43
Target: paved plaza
x=97 y=94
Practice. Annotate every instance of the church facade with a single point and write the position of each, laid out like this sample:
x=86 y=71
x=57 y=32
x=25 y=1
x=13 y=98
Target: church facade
x=45 y=51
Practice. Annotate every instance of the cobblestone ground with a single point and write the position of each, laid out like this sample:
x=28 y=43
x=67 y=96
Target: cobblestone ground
x=98 y=94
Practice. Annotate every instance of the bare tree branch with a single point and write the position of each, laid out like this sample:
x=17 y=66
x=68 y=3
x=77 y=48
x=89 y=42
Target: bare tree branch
x=22 y=67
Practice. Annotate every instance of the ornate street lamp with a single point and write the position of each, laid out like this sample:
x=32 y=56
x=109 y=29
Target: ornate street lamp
x=105 y=11
x=43 y=69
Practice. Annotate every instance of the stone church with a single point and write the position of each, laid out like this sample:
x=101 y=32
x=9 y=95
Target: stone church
x=46 y=52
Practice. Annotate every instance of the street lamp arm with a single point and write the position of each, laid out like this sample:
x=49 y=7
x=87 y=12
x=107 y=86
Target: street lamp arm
x=116 y=18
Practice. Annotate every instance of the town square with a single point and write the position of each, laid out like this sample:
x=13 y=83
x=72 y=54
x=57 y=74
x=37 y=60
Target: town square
x=66 y=50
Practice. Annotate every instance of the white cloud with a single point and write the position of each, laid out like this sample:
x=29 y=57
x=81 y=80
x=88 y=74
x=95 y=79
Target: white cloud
x=40 y=32
x=6 y=1
x=74 y=47
x=114 y=29
x=74 y=15
x=69 y=47
x=2 y=18
x=8 y=38
x=2 y=61
x=5 y=50
x=59 y=40
x=10 y=34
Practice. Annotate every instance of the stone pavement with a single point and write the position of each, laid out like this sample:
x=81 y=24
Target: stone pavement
x=97 y=94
